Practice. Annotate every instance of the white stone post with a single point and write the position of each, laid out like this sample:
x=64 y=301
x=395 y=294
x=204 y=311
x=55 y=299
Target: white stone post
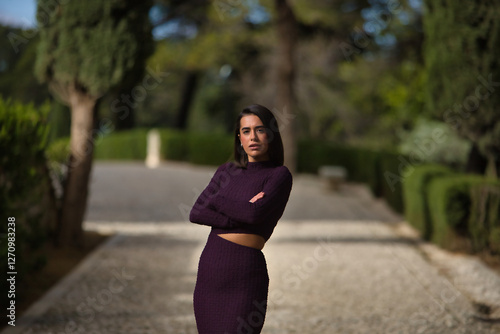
x=153 y=157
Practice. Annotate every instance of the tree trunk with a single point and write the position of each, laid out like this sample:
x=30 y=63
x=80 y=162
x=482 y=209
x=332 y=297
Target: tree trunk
x=286 y=27
x=124 y=117
x=476 y=162
x=79 y=168
x=491 y=169
x=188 y=92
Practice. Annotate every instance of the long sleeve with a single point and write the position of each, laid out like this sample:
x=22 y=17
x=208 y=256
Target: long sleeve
x=270 y=207
x=209 y=217
x=203 y=214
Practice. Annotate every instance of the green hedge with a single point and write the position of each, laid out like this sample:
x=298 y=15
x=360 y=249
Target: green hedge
x=395 y=168
x=450 y=201
x=415 y=192
x=125 y=145
x=369 y=169
x=198 y=148
x=484 y=220
x=174 y=145
x=209 y=149
x=25 y=187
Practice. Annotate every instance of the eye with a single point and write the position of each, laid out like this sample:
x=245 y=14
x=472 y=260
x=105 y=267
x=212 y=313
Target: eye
x=245 y=132
x=261 y=130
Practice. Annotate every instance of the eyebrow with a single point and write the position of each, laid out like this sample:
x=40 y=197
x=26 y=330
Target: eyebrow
x=248 y=128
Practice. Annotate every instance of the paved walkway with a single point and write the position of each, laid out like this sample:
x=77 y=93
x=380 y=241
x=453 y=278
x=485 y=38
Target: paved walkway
x=338 y=263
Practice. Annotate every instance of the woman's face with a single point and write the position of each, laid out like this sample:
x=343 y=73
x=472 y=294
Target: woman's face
x=254 y=138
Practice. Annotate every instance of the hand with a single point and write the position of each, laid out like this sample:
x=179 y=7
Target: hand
x=257 y=197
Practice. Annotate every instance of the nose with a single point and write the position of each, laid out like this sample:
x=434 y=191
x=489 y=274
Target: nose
x=254 y=136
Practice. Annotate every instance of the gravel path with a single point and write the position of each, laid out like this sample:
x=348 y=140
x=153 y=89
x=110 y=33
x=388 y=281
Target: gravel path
x=335 y=265
x=132 y=193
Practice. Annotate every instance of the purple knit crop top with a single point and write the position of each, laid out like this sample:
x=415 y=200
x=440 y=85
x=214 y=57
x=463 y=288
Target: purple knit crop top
x=224 y=204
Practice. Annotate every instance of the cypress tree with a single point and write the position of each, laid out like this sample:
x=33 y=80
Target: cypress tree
x=86 y=48
x=461 y=48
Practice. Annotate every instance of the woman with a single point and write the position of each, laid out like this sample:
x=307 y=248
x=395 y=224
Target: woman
x=242 y=203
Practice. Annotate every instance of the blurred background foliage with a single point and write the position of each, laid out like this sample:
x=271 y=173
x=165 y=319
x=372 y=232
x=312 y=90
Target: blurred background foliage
x=219 y=58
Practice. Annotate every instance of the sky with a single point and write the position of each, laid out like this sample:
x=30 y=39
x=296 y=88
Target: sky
x=19 y=13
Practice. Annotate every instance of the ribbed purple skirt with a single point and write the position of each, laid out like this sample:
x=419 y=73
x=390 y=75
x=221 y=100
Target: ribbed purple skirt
x=230 y=296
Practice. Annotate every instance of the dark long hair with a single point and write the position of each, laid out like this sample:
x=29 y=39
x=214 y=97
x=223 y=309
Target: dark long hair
x=275 y=148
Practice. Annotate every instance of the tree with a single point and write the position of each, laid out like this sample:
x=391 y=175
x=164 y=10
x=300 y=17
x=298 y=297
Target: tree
x=198 y=65
x=17 y=55
x=186 y=16
x=461 y=57
x=286 y=27
x=87 y=48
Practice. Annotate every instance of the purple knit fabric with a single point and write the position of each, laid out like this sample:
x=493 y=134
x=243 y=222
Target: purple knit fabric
x=232 y=283
x=224 y=204
x=230 y=296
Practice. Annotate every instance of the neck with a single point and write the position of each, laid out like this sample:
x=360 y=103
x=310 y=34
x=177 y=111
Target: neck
x=258 y=165
x=259 y=159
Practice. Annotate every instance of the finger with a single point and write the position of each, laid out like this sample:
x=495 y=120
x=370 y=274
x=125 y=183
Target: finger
x=257 y=197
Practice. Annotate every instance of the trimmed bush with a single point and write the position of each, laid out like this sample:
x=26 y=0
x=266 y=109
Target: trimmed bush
x=368 y=170
x=125 y=145
x=209 y=149
x=394 y=168
x=450 y=203
x=174 y=145
x=484 y=220
x=415 y=192
x=199 y=148
x=495 y=240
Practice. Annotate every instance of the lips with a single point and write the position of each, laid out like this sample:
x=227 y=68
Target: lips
x=254 y=146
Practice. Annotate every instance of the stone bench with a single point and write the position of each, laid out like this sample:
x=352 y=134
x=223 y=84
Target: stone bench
x=333 y=176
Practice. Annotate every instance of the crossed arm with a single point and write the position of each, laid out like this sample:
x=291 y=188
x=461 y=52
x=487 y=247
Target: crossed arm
x=202 y=213
x=230 y=212
x=267 y=204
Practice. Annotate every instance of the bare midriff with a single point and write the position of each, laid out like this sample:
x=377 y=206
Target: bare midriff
x=245 y=239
